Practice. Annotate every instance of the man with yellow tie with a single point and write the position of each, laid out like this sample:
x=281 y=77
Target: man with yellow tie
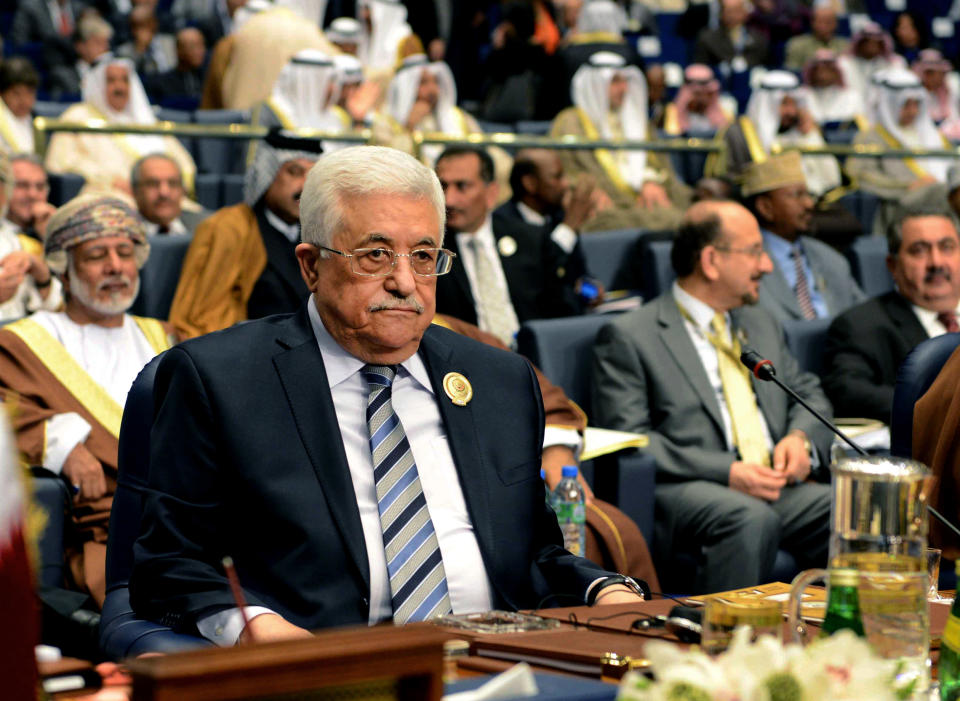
x=734 y=456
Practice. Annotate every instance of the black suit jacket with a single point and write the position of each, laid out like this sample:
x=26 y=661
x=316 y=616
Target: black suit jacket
x=247 y=460
x=714 y=47
x=864 y=349
x=537 y=277
x=280 y=289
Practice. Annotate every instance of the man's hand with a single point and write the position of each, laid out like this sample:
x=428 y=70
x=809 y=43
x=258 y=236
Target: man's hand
x=578 y=204
x=601 y=200
x=436 y=49
x=13 y=268
x=420 y=109
x=554 y=458
x=617 y=594
x=653 y=196
x=85 y=471
x=922 y=182
x=362 y=100
x=757 y=480
x=268 y=627
x=790 y=457
x=805 y=122
x=41 y=212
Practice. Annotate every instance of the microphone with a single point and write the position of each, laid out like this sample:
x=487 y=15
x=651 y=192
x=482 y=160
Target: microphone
x=763 y=369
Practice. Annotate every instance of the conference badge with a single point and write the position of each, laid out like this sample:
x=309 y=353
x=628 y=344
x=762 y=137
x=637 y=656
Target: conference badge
x=457 y=388
x=507 y=246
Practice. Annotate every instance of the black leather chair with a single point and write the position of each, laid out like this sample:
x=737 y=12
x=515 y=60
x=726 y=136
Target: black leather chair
x=916 y=374
x=122 y=633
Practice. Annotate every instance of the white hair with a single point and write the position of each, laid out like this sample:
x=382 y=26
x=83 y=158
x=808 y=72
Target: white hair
x=360 y=171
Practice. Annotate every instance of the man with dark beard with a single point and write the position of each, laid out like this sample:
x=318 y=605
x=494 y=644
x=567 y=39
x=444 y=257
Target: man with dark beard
x=866 y=345
x=733 y=454
x=67 y=373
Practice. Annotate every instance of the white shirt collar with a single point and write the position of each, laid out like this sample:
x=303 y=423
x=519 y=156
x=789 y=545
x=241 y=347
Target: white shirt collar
x=341 y=365
x=176 y=228
x=291 y=231
x=530 y=215
x=484 y=234
x=928 y=317
x=701 y=312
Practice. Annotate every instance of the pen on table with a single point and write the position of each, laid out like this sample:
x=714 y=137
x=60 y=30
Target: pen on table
x=238 y=597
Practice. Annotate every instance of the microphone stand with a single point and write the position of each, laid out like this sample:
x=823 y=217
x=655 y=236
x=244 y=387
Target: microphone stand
x=763 y=369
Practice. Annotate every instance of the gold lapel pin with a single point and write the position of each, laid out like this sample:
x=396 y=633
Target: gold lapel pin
x=507 y=246
x=457 y=388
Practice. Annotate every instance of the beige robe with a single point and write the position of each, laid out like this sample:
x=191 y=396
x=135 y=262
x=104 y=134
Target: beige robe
x=600 y=164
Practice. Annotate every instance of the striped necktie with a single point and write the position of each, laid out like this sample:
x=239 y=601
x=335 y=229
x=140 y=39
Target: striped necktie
x=418 y=582
x=803 y=289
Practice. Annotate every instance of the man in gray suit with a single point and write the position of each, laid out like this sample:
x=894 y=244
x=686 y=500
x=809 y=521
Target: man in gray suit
x=158 y=189
x=733 y=454
x=810 y=280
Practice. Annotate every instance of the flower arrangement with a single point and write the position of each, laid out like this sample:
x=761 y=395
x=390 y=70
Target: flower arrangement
x=842 y=666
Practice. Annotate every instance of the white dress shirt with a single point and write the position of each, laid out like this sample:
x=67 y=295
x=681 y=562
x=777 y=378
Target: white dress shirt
x=414 y=403
x=176 y=228
x=562 y=234
x=489 y=245
x=928 y=319
x=291 y=231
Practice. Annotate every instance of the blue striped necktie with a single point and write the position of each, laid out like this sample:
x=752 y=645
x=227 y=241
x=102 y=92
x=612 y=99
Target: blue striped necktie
x=418 y=582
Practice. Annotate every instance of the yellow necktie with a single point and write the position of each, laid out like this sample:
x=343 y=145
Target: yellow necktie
x=741 y=402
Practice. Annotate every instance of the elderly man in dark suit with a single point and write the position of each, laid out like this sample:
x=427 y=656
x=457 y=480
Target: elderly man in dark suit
x=866 y=345
x=357 y=463
x=733 y=454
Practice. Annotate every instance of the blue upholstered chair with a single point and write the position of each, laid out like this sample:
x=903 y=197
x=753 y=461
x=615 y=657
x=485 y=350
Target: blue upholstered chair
x=64 y=187
x=122 y=634
x=868 y=263
x=608 y=255
x=215 y=155
x=916 y=374
x=805 y=340
x=656 y=269
x=160 y=275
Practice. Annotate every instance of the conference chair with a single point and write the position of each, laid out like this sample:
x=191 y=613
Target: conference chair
x=563 y=350
x=178 y=116
x=122 y=633
x=207 y=187
x=656 y=270
x=805 y=339
x=868 y=263
x=160 y=275
x=916 y=374
x=215 y=155
x=608 y=257
x=64 y=187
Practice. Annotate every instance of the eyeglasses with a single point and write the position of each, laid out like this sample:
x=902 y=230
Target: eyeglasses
x=755 y=252
x=380 y=262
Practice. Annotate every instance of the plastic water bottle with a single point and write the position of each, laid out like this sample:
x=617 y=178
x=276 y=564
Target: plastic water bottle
x=571 y=512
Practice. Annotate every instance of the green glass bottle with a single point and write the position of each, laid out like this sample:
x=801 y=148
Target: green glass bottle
x=843 y=604
x=949 y=666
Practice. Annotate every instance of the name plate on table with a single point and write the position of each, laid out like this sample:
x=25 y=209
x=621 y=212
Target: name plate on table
x=358 y=662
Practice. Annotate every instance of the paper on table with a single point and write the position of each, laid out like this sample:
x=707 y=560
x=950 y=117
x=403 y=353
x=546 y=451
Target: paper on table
x=603 y=441
x=516 y=682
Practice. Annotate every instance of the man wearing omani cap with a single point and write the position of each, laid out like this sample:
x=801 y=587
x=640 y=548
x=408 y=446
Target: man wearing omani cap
x=66 y=374
x=610 y=102
x=240 y=264
x=113 y=93
x=810 y=280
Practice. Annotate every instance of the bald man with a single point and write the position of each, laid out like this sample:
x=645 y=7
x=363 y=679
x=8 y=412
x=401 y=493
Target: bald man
x=734 y=455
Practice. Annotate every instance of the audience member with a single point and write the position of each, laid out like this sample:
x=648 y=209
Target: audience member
x=823 y=35
x=68 y=372
x=48 y=23
x=386 y=38
x=482 y=537
x=345 y=33
x=158 y=190
x=810 y=279
x=28 y=210
x=509 y=273
x=733 y=456
x=932 y=69
x=185 y=80
x=91 y=42
x=240 y=263
x=777 y=116
x=354 y=101
x=300 y=97
x=697 y=108
x=26 y=284
x=113 y=93
x=909 y=34
x=870 y=52
x=732 y=46
x=610 y=102
x=18 y=94
x=866 y=345
x=152 y=53
x=832 y=100
x=656 y=93
x=214 y=19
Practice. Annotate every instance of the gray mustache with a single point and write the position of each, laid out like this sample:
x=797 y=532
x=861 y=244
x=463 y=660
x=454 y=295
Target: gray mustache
x=397 y=303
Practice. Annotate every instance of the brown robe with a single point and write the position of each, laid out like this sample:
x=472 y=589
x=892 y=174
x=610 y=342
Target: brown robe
x=32 y=394
x=613 y=540
x=936 y=443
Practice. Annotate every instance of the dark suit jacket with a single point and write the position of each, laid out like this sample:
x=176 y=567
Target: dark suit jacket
x=536 y=274
x=508 y=216
x=648 y=378
x=714 y=46
x=253 y=465
x=864 y=348
x=280 y=289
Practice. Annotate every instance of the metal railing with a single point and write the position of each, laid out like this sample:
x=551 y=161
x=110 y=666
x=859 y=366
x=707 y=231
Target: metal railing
x=43 y=126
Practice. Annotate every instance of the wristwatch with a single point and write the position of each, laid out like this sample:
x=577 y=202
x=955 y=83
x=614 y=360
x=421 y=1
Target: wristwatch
x=629 y=582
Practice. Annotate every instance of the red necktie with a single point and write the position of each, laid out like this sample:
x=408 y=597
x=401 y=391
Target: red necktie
x=66 y=27
x=949 y=321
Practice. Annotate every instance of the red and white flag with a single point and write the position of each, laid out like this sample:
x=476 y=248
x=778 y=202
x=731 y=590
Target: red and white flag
x=20 y=631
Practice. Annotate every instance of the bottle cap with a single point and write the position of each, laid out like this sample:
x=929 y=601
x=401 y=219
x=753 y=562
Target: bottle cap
x=569 y=471
x=844 y=577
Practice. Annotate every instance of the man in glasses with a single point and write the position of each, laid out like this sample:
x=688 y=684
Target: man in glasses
x=359 y=464
x=241 y=264
x=810 y=280
x=733 y=454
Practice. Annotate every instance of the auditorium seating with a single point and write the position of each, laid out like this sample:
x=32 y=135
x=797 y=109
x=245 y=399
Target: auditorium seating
x=868 y=263
x=122 y=633
x=64 y=187
x=160 y=274
x=805 y=339
x=608 y=256
x=214 y=155
x=916 y=374
x=656 y=270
